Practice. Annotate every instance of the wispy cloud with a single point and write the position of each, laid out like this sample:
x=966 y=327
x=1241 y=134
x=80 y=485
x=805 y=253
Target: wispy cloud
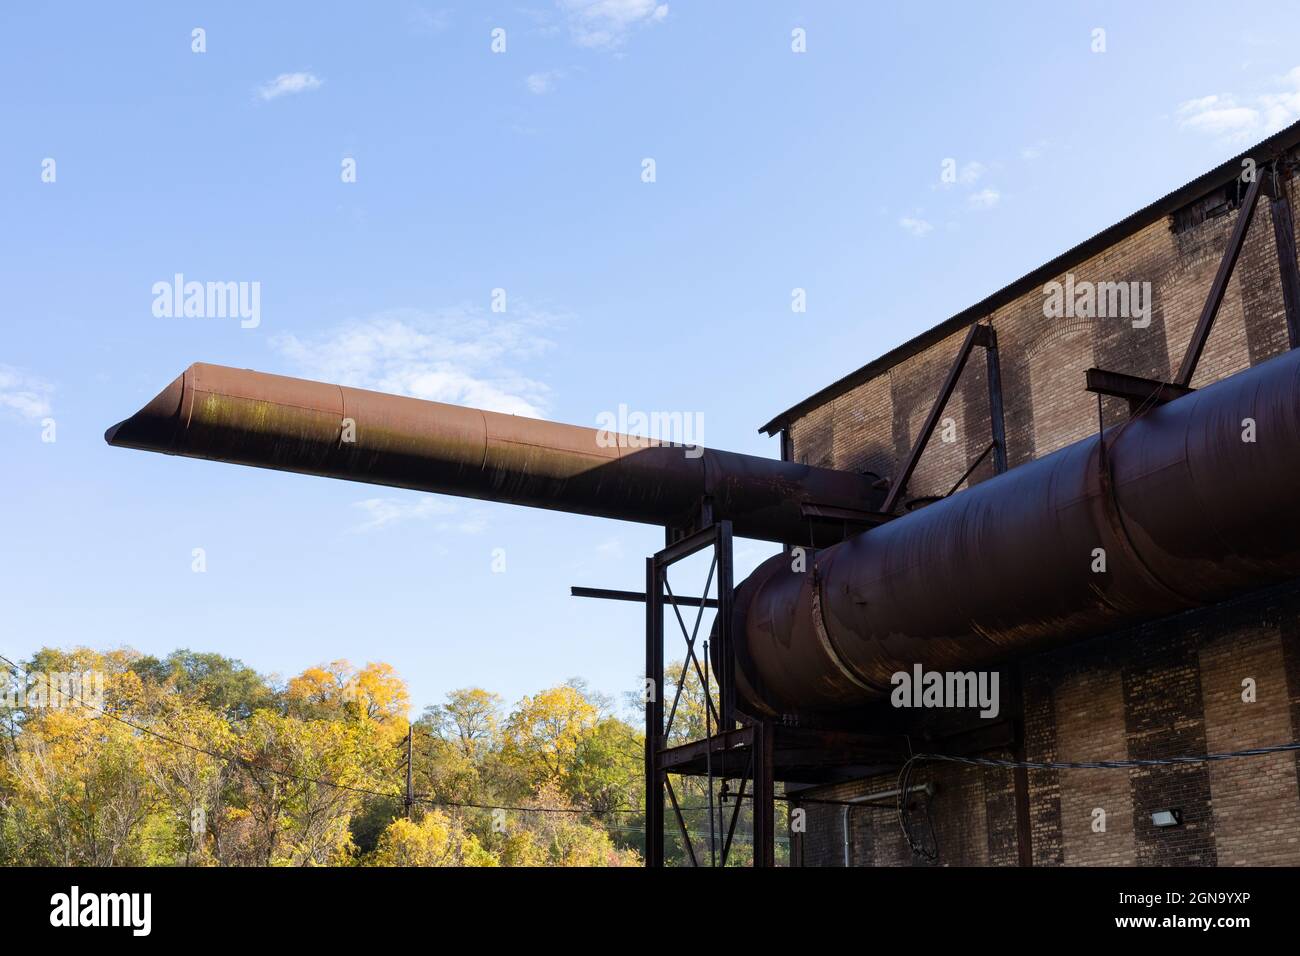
x=23 y=396
x=428 y=20
x=446 y=515
x=464 y=356
x=287 y=83
x=610 y=548
x=984 y=199
x=1034 y=151
x=607 y=23
x=967 y=174
x=541 y=83
x=1238 y=120
x=915 y=226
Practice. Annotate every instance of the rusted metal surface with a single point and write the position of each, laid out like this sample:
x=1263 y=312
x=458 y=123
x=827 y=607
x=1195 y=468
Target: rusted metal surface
x=978 y=335
x=1141 y=393
x=1187 y=513
x=1219 y=287
x=1284 y=242
x=270 y=421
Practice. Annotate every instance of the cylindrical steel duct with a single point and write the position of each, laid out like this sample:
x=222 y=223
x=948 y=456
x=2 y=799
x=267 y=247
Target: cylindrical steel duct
x=1186 y=505
x=270 y=421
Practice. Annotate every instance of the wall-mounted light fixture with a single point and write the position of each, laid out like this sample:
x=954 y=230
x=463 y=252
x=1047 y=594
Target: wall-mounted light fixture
x=1167 y=818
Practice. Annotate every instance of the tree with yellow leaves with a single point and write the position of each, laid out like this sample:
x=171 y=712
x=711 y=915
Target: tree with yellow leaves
x=195 y=760
x=435 y=840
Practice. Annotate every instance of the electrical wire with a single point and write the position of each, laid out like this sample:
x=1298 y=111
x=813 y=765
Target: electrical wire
x=242 y=761
x=931 y=853
x=905 y=774
x=252 y=765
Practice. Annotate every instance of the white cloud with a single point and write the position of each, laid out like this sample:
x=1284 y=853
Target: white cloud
x=607 y=23
x=463 y=356
x=984 y=199
x=610 y=548
x=541 y=83
x=914 y=225
x=971 y=172
x=966 y=174
x=1238 y=121
x=449 y=515
x=1033 y=151
x=1221 y=117
x=287 y=83
x=425 y=20
x=24 y=396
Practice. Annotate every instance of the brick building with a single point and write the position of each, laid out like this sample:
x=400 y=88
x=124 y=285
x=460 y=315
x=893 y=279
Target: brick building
x=1167 y=687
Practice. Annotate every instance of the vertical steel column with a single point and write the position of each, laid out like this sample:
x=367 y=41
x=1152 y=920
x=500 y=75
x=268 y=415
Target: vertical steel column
x=1284 y=238
x=654 y=715
x=796 y=839
x=996 y=424
x=1020 y=775
x=764 y=795
x=725 y=637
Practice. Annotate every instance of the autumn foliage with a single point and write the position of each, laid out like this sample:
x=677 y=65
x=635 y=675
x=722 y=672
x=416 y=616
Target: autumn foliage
x=196 y=760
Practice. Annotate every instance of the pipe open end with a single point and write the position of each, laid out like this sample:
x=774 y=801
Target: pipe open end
x=153 y=427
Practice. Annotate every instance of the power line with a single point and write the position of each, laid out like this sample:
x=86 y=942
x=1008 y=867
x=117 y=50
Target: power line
x=1129 y=764
x=243 y=761
x=905 y=771
x=931 y=852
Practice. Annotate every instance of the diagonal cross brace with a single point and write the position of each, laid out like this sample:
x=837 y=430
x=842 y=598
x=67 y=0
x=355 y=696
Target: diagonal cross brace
x=978 y=335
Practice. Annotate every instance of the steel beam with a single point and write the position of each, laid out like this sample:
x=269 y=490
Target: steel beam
x=996 y=423
x=723 y=629
x=764 y=796
x=850 y=516
x=1289 y=272
x=610 y=594
x=1020 y=775
x=978 y=335
x=1141 y=393
x=681 y=823
x=1220 y=284
x=655 y=779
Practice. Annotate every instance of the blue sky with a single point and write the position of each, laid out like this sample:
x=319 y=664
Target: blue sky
x=519 y=170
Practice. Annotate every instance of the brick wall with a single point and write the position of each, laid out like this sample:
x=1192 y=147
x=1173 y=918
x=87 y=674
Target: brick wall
x=872 y=426
x=1167 y=687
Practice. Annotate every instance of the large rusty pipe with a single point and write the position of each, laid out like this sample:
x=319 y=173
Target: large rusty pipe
x=289 y=424
x=1187 y=505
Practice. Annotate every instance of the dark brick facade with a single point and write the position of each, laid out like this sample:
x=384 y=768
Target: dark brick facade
x=1165 y=688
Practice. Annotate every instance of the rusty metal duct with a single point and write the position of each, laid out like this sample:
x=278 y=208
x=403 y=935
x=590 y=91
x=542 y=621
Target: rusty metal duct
x=251 y=418
x=1186 y=512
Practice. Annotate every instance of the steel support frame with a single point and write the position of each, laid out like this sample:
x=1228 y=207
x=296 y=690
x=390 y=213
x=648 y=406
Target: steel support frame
x=1219 y=287
x=1144 y=393
x=756 y=737
x=982 y=335
x=1284 y=240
